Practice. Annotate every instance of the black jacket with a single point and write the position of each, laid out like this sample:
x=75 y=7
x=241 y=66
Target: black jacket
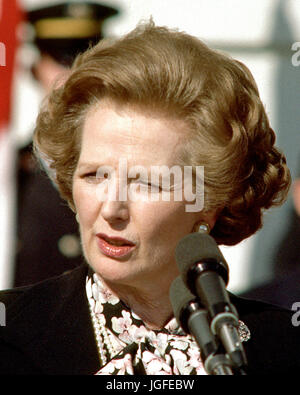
x=48 y=331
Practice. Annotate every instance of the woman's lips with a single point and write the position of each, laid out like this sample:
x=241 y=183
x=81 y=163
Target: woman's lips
x=114 y=247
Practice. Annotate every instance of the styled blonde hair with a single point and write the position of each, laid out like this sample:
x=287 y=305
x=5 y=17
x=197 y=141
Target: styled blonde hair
x=165 y=70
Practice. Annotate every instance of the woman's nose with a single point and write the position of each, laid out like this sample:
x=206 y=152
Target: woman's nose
x=115 y=205
x=115 y=211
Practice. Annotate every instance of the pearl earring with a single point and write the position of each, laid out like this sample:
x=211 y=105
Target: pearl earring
x=77 y=217
x=202 y=227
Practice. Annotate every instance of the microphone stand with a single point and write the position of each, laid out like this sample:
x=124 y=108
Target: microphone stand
x=215 y=362
x=194 y=320
x=205 y=272
x=222 y=313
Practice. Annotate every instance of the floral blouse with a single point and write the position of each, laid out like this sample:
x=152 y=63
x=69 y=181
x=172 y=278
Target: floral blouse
x=127 y=347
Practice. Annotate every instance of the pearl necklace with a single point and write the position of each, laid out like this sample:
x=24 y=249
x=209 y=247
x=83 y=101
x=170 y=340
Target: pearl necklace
x=103 y=338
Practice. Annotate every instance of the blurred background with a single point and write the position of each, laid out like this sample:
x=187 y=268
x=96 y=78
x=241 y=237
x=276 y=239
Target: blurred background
x=38 y=236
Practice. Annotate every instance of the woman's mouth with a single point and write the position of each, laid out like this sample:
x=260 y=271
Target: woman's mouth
x=114 y=247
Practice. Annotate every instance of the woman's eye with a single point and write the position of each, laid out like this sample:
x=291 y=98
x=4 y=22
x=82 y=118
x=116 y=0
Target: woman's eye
x=154 y=188
x=147 y=186
x=92 y=177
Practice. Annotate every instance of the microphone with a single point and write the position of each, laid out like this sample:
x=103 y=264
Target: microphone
x=205 y=272
x=193 y=319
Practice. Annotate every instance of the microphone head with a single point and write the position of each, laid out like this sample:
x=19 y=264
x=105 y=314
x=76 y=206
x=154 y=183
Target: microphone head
x=195 y=248
x=180 y=298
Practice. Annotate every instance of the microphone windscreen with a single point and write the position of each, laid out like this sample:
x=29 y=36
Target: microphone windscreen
x=194 y=248
x=180 y=297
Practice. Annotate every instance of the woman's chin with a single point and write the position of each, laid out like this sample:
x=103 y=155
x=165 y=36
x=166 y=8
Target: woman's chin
x=116 y=271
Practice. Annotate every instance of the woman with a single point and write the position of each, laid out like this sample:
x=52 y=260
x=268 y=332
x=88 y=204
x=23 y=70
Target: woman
x=153 y=98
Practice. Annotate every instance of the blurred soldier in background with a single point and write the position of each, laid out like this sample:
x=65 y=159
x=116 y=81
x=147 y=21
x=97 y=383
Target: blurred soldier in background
x=285 y=290
x=288 y=255
x=48 y=241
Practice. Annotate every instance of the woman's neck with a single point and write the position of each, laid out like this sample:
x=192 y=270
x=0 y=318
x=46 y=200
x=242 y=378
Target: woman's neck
x=154 y=313
x=153 y=307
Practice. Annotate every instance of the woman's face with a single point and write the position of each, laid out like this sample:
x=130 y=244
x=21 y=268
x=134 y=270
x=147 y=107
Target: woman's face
x=149 y=230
